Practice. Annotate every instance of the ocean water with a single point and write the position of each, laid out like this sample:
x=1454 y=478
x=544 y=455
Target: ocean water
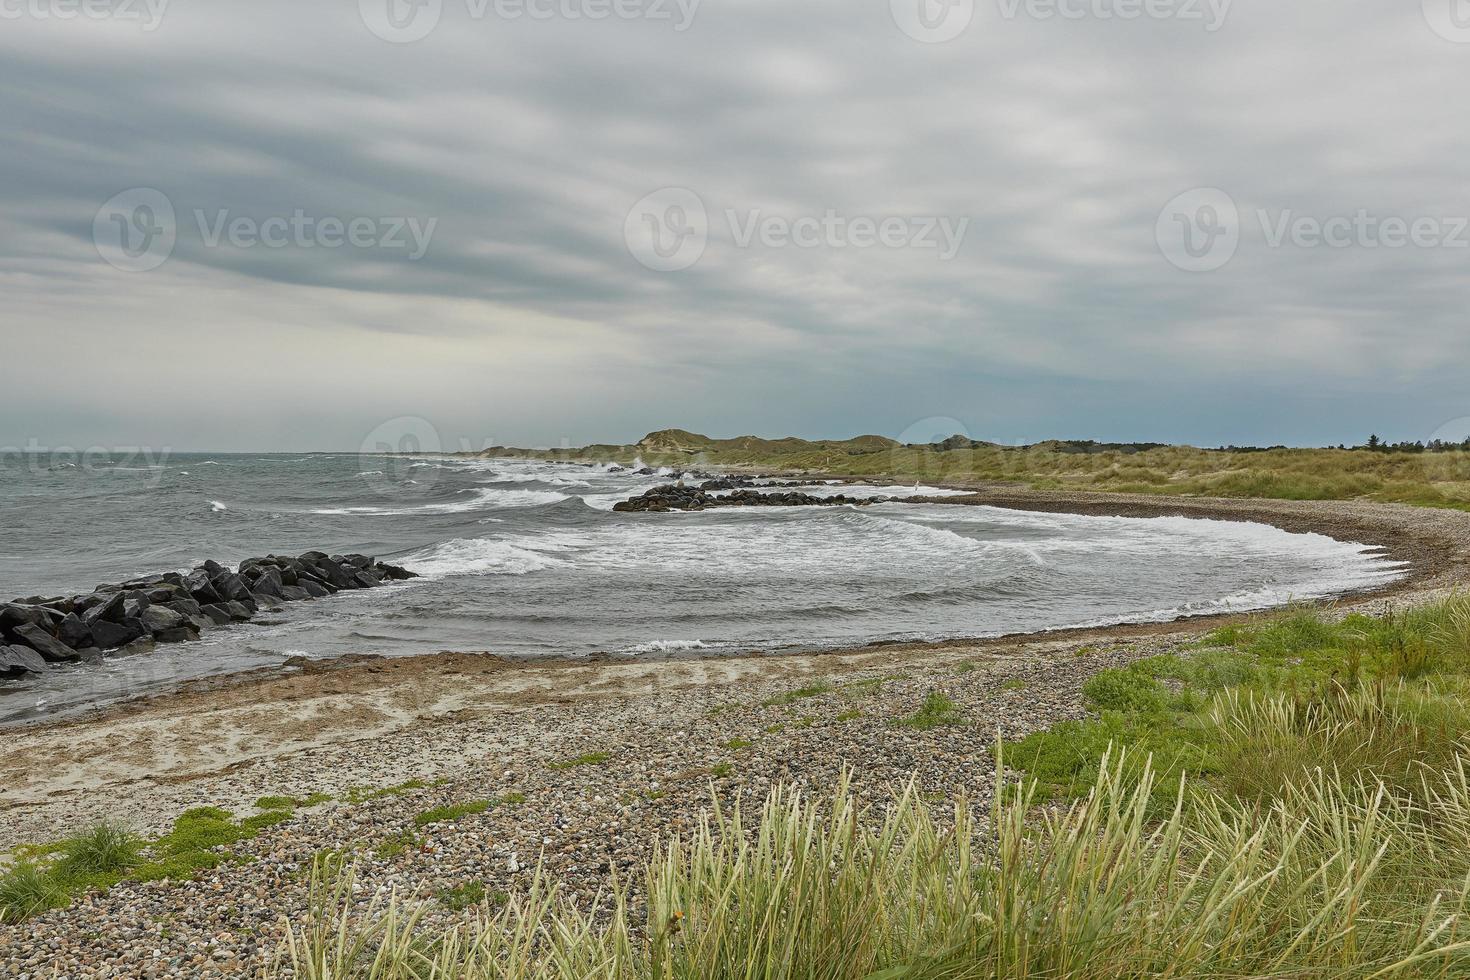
x=528 y=559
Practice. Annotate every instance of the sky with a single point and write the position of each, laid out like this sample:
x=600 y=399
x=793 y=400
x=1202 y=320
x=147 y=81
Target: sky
x=297 y=226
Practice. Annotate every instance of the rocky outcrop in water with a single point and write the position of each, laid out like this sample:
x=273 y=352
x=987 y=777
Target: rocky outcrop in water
x=674 y=497
x=171 y=608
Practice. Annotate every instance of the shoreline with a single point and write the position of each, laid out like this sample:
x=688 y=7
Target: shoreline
x=1433 y=545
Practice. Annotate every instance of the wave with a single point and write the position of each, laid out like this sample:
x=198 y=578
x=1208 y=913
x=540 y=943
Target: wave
x=486 y=497
x=481 y=556
x=666 y=646
x=217 y=507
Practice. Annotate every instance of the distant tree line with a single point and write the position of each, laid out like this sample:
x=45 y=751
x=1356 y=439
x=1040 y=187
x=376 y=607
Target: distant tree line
x=1377 y=445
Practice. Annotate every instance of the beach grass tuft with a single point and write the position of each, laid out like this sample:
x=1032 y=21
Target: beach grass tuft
x=453 y=811
x=938 y=709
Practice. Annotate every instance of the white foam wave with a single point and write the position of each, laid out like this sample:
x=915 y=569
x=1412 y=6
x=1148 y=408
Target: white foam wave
x=476 y=499
x=217 y=507
x=479 y=556
x=665 y=646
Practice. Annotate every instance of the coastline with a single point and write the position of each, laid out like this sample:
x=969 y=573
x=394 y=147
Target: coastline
x=1432 y=544
x=607 y=755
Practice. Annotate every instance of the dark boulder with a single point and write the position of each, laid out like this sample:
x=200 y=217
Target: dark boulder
x=294 y=593
x=143 y=644
x=201 y=589
x=396 y=572
x=14 y=614
x=109 y=635
x=158 y=619
x=313 y=590
x=109 y=608
x=48 y=646
x=134 y=605
x=231 y=587
x=216 y=614
x=268 y=583
x=238 y=611
x=74 y=633
x=184 y=607
x=177 y=634
x=17 y=660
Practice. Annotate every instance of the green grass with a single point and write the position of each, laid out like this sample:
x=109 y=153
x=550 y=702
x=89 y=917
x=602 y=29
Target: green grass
x=99 y=853
x=276 y=803
x=800 y=693
x=304 y=802
x=850 y=714
x=27 y=889
x=399 y=843
x=510 y=799
x=1438 y=479
x=451 y=812
x=937 y=710
x=736 y=744
x=586 y=759
x=722 y=770
x=1317 y=885
x=362 y=794
x=469 y=895
x=51 y=876
x=1258 y=708
x=1014 y=684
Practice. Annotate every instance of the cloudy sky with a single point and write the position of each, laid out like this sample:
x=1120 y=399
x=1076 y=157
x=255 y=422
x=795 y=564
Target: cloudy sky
x=287 y=225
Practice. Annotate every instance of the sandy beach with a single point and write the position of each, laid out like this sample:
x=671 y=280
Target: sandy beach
x=582 y=765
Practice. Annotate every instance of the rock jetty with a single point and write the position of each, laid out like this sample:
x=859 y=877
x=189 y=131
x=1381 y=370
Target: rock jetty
x=678 y=497
x=172 y=607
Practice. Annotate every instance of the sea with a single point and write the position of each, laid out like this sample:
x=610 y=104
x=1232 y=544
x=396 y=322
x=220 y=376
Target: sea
x=528 y=559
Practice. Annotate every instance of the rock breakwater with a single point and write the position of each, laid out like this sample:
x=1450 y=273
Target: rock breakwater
x=173 y=607
x=705 y=497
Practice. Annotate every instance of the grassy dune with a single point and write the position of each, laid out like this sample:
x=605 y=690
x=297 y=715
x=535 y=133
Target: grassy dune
x=1435 y=479
x=1289 y=800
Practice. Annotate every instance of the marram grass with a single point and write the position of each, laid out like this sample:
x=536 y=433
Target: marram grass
x=1336 y=877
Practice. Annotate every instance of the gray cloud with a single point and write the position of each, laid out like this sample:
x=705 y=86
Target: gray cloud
x=528 y=319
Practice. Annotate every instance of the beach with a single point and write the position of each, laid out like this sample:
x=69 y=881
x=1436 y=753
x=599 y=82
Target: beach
x=582 y=765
